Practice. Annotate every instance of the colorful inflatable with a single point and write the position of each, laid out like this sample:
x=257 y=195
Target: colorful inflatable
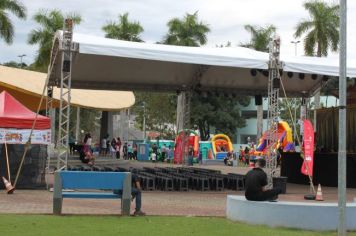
x=221 y=145
x=191 y=141
x=285 y=139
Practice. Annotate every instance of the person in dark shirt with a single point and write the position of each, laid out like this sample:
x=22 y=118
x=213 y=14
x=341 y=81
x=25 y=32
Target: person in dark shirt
x=136 y=194
x=125 y=151
x=256 y=181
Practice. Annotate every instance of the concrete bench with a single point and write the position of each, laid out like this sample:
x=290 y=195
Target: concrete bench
x=92 y=180
x=302 y=215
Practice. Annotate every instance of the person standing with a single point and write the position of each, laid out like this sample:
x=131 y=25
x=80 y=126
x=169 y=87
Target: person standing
x=134 y=151
x=71 y=142
x=256 y=182
x=125 y=151
x=103 y=148
x=118 y=147
x=164 y=152
x=87 y=154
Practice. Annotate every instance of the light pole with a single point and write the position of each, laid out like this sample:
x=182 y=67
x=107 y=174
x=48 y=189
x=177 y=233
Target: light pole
x=295 y=46
x=144 y=121
x=21 y=56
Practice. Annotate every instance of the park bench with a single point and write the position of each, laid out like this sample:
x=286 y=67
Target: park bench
x=92 y=180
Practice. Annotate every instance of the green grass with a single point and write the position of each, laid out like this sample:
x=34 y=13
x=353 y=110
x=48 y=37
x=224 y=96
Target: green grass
x=47 y=225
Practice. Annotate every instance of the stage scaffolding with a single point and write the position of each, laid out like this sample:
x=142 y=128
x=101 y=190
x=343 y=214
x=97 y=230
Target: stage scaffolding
x=67 y=48
x=274 y=80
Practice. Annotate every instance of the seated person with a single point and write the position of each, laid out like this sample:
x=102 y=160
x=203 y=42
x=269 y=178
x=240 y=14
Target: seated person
x=136 y=194
x=87 y=157
x=256 y=181
x=228 y=160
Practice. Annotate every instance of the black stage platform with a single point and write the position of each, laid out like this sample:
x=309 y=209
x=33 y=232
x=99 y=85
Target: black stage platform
x=325 y=169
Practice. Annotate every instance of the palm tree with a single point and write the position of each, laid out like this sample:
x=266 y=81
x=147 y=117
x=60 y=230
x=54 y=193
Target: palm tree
x=49 y=22
x=6 y=27
x=260 y=37
x=124 y=29
x=322 y=29
x=186 y=32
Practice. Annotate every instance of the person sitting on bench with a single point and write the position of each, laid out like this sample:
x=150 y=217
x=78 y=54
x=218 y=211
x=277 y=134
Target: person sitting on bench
x=256 y=181
x=136 y=194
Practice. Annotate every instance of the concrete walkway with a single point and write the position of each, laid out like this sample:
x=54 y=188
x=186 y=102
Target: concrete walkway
x=154 y=203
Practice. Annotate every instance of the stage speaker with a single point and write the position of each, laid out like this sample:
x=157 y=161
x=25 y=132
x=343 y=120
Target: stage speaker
x=258 y=100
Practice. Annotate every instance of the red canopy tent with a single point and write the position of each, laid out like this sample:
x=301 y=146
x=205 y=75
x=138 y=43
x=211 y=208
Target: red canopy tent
x=16 y=122
x=15 y=115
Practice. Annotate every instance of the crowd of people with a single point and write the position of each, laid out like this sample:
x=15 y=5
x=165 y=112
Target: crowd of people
x=163 y=154
x=115 y=148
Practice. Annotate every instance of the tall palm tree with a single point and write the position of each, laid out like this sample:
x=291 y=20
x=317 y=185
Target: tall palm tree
x=49 y=23
x=260 y=37
x=124 y=29
x=187 y=31
x=322 y=29
x=6 y=26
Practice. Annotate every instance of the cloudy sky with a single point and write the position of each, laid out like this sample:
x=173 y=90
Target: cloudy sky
x=226 y=19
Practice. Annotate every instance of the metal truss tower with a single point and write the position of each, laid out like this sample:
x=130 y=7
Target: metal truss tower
x=66 y=47
x=50 y=112
x=273 y=109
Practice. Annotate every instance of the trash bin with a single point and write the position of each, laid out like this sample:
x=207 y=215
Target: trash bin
x=280 y=182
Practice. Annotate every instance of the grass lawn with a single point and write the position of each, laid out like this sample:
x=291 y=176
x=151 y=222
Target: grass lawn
x=27 y=225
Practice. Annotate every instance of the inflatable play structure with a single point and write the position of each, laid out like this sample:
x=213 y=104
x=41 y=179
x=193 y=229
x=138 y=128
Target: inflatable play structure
x=285 y=139
x=221 y=145
x=192 y=141
x=206 y=150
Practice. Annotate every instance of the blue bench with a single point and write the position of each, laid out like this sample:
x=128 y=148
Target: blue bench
x=90 y=180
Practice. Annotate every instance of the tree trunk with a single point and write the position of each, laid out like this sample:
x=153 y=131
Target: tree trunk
x=319 y=51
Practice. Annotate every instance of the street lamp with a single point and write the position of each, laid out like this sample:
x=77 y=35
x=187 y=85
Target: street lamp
x=295 y=46
x=21 y=56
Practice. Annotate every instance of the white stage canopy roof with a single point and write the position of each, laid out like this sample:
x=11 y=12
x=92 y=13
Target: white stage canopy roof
x=110 y=64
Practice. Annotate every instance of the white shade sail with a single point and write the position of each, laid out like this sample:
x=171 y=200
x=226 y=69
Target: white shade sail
x=27 y=86
x=103 y=63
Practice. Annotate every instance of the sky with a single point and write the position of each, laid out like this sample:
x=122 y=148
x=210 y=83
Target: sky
x=226 y=19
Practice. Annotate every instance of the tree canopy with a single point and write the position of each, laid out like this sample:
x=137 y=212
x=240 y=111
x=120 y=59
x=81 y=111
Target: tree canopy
x=188 y=31
x=50 y=22
x=6 y=26
x=260 y=37
x=159 y=110
x=322 y=29
x=123 y=29
x=220 y=111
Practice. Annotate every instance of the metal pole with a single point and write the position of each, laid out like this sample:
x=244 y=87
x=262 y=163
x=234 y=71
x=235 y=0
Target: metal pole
x=295 y=119
x=144 y=122
x=295 y=46
x=128 y=125
x=77 y=125
x=342 y=123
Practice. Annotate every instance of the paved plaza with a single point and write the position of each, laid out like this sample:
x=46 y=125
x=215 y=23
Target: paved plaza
x=195 y=203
